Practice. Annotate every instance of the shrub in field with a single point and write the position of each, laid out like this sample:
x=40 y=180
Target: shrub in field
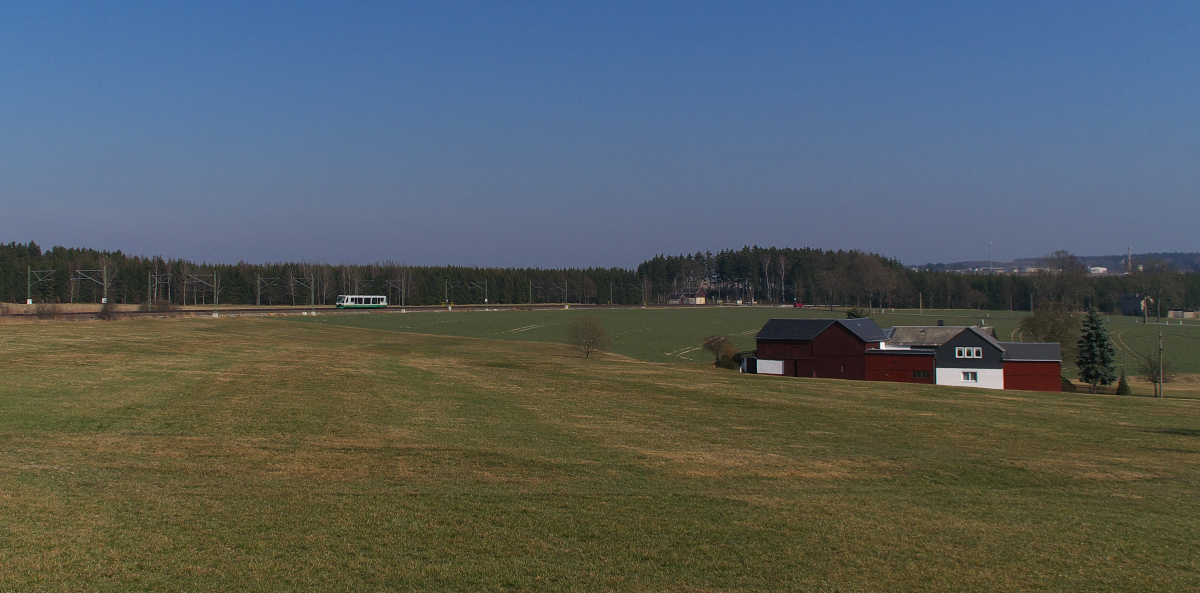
x=725 y=353
x=855 y=313
x=108 y=312
x=47 y=311
x=1155 y=369
x=587 y=335
x=1123 y=386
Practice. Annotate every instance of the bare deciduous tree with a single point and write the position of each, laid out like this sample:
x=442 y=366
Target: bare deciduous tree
x=587 y=335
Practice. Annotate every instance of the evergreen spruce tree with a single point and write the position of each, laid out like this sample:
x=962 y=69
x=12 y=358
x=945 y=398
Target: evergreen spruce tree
x=1096 y=360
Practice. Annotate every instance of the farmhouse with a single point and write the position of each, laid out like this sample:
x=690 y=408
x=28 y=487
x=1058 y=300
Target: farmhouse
x=937 y=355
x=691 y=296
x=818 y=348
x=966 y=357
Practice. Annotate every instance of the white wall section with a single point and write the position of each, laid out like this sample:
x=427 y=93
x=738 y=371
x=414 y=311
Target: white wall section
x=988 y=378
x=770 y=367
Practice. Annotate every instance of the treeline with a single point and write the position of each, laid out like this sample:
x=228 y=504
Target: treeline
x=81 y=275
x=866 y=280
x=750 y=274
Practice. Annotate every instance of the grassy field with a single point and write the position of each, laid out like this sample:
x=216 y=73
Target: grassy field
x=674 y=334
x=263 y=454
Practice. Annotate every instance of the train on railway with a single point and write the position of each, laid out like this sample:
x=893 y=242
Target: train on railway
x=361 y=301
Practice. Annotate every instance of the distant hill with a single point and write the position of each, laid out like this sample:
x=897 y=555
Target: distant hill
x=1184 y=262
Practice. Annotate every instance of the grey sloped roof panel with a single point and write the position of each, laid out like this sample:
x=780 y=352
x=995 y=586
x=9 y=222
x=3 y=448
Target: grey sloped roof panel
x=807 y=329
x=1033 y=351
x=865 y=329
x=923 y=335
x=932 y=336
x=793 y=329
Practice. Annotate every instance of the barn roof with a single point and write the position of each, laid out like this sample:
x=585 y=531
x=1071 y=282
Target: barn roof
x=1033 y=351
x=807 y=329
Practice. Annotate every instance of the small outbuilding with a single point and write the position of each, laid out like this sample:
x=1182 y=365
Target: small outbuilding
x=1032 y=366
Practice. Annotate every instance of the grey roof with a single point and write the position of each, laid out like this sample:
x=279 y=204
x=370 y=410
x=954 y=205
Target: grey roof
x=865 y=329
x=807 y=329
x=1039 y=351
x=932 y=336
x=923 y=335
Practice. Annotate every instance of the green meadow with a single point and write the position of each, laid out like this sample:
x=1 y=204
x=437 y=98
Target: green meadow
x=266 y=454
x=675 y=334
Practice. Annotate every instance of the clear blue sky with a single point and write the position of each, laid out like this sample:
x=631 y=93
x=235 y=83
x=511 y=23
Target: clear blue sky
x=583 y=134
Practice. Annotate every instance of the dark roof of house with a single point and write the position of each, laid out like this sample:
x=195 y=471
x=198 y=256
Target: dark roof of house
x=1032 y=351
x=807 y=329
x=932 y=336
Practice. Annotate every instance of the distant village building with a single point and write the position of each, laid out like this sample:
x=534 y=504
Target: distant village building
x=1181 y=314
x=691 y=296
x=1134 y=305
x=1098 y=270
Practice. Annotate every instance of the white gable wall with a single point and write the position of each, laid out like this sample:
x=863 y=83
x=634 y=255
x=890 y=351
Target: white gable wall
x=770 y=367
x=988 y=378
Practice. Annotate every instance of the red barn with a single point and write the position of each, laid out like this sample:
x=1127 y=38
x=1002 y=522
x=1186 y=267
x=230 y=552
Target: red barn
x=1032 y=366
x=819 y=348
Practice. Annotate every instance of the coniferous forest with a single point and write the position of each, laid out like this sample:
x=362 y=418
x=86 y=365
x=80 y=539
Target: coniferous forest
x=765 y=275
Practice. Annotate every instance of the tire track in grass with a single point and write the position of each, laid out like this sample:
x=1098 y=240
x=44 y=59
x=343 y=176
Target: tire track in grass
x=521 y=329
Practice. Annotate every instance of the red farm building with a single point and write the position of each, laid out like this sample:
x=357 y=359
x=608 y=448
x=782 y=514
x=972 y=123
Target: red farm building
x=818 y=348
x=964 y=357
x=934 y=355
x=1032 y=366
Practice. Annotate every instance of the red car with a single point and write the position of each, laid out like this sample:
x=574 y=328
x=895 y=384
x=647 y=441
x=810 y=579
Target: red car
x=798 y=305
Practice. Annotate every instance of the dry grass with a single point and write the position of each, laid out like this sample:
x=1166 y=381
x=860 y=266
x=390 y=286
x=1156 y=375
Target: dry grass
x=255 y=454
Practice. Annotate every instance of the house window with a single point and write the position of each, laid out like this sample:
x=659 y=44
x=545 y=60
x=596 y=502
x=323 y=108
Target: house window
x=968 y=352
x=920 y=374
x=970 y=377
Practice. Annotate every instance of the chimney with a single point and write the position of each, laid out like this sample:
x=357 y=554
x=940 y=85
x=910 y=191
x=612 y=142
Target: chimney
x=941 y=322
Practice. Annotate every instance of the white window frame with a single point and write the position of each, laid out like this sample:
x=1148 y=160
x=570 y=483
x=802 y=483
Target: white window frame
x=968 y=352
x=970 y=376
